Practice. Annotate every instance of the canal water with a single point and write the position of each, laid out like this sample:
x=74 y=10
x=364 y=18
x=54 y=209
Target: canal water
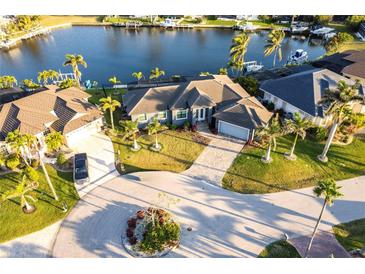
x=118 y=51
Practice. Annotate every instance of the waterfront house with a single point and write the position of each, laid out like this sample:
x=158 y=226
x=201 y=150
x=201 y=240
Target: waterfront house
x=213 y=100
x=302 y=93
x=52 y=109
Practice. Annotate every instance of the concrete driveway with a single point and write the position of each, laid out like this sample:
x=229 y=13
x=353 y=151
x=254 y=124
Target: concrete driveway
x=224 y=223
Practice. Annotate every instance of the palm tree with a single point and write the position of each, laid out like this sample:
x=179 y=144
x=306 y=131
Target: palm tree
x=268 y=135
x=338 y=103
x=18 y=143
x=113 y=80
x=21 y=191
x=204 y=73
x=156 y=73
x=298 y=126
x=111 y=104
x=52 y=74
x=153 y=129
x=7 y=81
x=44 y=76
x=74 y=61
x=274 y=44
x=130 y=129
x=223 y=71
x=238 y=50
x=330 y=191
x=54 y=140
x=138 y=75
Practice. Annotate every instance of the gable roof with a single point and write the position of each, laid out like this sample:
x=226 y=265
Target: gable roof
x=60 y=110
x=304 y=90
x=205 y=92
x=248 y=113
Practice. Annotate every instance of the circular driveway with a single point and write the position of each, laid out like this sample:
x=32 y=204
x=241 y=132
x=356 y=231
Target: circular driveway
x=224 y=224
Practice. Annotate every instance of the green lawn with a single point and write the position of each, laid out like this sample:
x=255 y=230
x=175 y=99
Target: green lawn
x=14 y=223
x=279 y=249
x=220 y=22
x=249 y=175
x=53 y=20
x=178 y=153
x=351 y=235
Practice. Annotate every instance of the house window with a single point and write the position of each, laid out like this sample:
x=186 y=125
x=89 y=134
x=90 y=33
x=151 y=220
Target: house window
x=142 y=117
x=181 y=114
x=162 y=115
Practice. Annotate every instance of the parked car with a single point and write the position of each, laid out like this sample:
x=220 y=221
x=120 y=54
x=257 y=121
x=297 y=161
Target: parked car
x=81 y=171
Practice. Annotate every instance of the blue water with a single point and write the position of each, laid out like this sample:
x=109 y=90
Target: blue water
x=117 y=51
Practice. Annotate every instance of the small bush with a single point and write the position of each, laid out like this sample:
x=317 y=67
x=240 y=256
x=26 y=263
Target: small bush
x=212 y=17
x=186 y=125
x=250 y=84
x=61 y=159
x=31 y=173
x=318 y=133
x=270 y=106
x=13 y=161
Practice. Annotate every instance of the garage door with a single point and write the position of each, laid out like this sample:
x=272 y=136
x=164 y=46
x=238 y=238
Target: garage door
x=233 y=130
x=82 y=133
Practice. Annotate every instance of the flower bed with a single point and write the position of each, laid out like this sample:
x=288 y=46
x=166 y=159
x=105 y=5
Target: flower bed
x=151 y=233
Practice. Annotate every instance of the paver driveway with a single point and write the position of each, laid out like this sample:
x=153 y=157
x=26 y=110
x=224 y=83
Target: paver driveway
x=224 y=223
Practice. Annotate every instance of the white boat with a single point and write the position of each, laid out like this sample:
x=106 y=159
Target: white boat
x=7 y=44
x=322 y=31
x=168 y=23
x=252 y=66
x=249 y=26
x=298 y=28
x=299 y=57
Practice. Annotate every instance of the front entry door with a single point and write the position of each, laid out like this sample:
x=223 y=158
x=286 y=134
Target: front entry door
x=200 y=114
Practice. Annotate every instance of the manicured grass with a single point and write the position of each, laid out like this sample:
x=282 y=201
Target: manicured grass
x=178 y=153
x=249 y=175
x=279 y=249
x=351 y=235
x=356 y=45
x=14 y=223
x=53 y=20
x=269 y=25
x=220 y=22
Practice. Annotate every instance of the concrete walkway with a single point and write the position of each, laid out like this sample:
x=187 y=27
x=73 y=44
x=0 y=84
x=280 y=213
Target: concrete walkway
x=216 y=158
x=101 y=168
x=224 y=223
x=325 y=245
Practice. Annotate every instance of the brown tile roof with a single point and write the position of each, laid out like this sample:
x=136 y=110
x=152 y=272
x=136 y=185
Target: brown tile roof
x=61 y=110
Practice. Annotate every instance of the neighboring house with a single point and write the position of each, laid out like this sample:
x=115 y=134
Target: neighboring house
x=302 y=93
x=350 y=64
x=214 y=100
x=53 y=109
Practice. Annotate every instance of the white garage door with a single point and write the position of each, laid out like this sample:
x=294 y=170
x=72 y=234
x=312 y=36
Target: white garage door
x=79 y=135
x=233 y=130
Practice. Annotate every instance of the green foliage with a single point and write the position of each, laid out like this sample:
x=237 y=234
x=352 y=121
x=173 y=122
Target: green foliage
x=34 y=163
x=158 y=236
x=238 y=50
x=275 y=38
x=7 y=81
x=13 y=161
x=354 y=21
x=270 y=106
x=156 y=73
x=223 y=71
x=212 y=17
x=279 y=249
x=67 y=83
x=186 y=125
x=28 y=83
x=318 y=134
x=328 y=189
x=61 y=159
x=114 y=80
x=334 y=44
x=54 y=141
x=31 y=174
x=250 y=84
x=351 y=235
x=322 y=19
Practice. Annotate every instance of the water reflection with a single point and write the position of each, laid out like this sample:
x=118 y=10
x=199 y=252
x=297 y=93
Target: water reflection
x=119 y=51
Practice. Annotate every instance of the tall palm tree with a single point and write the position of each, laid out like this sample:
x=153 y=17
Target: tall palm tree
x=156 y=73
x=338 y=103
x=21 y=191
x=111 y=104
x=238 y=50
x=297 y=126
x=44 y=76
x=74 y=61
x=130 y=129
x=330 y=191
x=268 y=135
x=274 y=44
x=138 y=75
x=153 y=129
x=114 y=80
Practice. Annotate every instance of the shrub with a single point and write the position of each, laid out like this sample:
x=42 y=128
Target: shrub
x=318 y=133
x=31 y=174
x=280 y=111
x=157 y=237
x=61 y=159
x=212 y=17
x=270 y=106
x=173 y=127
x=250 y=84
x=186 y=125
x=354 y=21
x=34 y=163
x=67 y=83
x=28 y=83
x=54 y=141
x=13 y=161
